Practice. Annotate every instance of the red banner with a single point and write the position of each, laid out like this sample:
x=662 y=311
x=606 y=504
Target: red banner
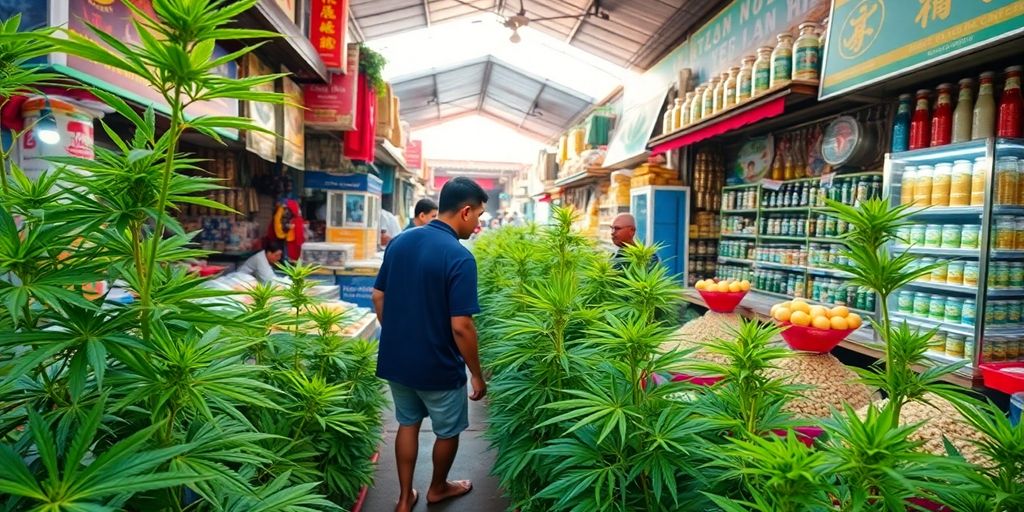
x=328 y=21
x=414 y=154
x=333 y=106
x=487 y=184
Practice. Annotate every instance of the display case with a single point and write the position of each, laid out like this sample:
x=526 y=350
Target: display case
x=353 y=210
x=663 y=217
x=968 y=214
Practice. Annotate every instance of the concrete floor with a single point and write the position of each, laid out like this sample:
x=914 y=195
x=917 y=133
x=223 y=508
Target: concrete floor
x=473 y=462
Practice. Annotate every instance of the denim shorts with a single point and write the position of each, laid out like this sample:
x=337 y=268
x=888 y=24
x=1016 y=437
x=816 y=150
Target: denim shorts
x=448 y=410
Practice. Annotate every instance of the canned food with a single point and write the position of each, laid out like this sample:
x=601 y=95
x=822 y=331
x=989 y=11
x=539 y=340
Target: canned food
x=938 y=342
x=1016 y=275
x=969 y=312
x=905 y=301
x=1000 y=312
x=1018 y=234
x=917 y=234
x=903 y=235
x=922 y=303
x=954 y=310
x=951 y=236
x=933 y=235
x=999 y=350
x=1005 y=233
x=970 y=236
x=986 y=350
x=969 y=346
x=1012 y=350
x=1000 y=275
x=940 y=271
x=937 y=307
x=955 y=345
x=1014 y=311
x=971 y=272
x=955 y=273
x=925 y=262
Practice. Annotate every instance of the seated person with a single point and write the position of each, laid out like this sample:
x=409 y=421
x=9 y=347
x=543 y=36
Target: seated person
x=261 y=265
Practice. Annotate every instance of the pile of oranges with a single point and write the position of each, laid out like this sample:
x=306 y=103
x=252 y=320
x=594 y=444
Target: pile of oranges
x=723 y=286
x=800 y=313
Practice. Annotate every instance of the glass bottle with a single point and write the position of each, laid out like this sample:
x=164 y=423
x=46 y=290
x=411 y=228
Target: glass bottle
x=807 y=52
x=984 y=119
x=942 y=116
x=964 y=111
x=920 y=122
x=782 y=61
x=745 y=79
x=762 y=71
x=1010 y=105
x=677 y=114
x=901 y=124
x=729 y=89
x=666 y=122
x=695 y=105
x=719 y=93
x=707 y=104
x=684 y=113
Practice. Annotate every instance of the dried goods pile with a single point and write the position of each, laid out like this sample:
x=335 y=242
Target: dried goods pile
x=939 y=418
x=704 y=330
x=830 y=384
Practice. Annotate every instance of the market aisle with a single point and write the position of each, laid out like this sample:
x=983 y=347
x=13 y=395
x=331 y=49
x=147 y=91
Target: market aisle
x=473 y=463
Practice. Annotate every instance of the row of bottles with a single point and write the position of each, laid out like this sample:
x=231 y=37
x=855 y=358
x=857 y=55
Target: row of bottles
x=770 y=68
x=742 y=199
x=851 y=191
x=855 y=190
x=819 y=225
x=921 y=125
x=708 y=180
x=798 y=154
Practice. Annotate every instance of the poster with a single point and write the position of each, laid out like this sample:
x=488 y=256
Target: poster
x=327 y=25
x=333 y=106
x=414 y=154
x=293 y=152
x=262 y=114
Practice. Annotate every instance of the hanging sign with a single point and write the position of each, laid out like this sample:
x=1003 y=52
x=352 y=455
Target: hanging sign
x=261 y=114
x=293 y=151
x=333 y=106
x=327 y=26
x=871 y=40
x=414 y=154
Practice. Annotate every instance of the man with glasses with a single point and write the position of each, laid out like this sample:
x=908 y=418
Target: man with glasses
x=624 y=234
x=425 y=297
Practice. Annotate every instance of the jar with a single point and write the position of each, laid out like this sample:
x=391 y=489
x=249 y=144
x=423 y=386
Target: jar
x=677 y=114
x=696 y=112
x=1006 y=180
x=970 y=236
x=806 y=56
x=969 y=347
x=938 y=342
x=905 y=302
x=942 y=116
x=923 y=186
x=933 y=235
x=782 y=61
x=922 y=303
x=917 y=234
x=925 y=262
x=1016 y=275
x=1000 y=276
x=684 y=112
x=1020 y=179
x=901 y=123
x=718 y=94
x=963 y=112
x=1012 y=350
x=666 y=121
x=1000 y=313
x=955 y=345
x=1005 y=232
x=1018 y=237
x=1014 y=311
x=729 y=90
x=1010 y=104
x=907 y=183
x=960 y=184
x=951 y=235
x=971 y=272
x=986 y=351
x=762 y=71
x=937 y=307
x=983 y=120
x=903 y=235
x=707 y=104
x=978 y=172
x=940 y=271
x=745 y=79
x=942 y=177
x=955 y=273
x=954 y=310
x=968 y=315
x=921 y=121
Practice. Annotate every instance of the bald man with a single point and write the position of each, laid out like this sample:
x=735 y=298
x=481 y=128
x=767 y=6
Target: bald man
x=623 y=234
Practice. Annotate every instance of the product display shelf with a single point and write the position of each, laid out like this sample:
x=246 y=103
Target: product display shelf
x=983 y=155
x=786 y=209
x=783 y=238
x=741 y=261
x=738 y=212
x=741 y=186
x=739 y=235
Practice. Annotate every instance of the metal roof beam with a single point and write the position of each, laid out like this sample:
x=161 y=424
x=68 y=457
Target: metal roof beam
x=426 y=11
x=437 y=97
x=579 y=23
x=355 y=25
x=533 y=105
x=485 y=84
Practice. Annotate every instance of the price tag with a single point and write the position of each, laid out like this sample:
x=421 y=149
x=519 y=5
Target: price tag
x=826 y=179
x=771 y=184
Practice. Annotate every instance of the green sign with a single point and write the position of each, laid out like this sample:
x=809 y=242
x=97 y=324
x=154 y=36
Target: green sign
x=870 y=40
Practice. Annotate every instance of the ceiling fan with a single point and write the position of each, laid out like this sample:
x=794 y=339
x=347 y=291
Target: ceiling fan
x=520 y=19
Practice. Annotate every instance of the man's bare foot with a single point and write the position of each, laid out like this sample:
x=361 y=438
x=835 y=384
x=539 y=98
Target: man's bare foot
x=451 y=489
x=408 y=505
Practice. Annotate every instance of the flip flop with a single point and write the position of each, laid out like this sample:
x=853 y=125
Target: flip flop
x=464 y=484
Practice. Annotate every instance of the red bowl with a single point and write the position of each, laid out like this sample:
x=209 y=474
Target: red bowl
x=722 y=302
x=805 y=435
x=927 y=505
x=999 y=380
x=812 y=339
x=698 y=380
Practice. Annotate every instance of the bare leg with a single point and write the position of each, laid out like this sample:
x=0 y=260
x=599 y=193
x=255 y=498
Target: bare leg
x=407 y=446
x=443 y=457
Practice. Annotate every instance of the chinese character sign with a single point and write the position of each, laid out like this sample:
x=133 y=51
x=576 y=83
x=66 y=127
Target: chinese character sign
x=871 y=40
x=328 y=21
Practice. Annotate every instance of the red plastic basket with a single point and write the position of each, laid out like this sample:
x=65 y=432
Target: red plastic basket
x=698 y=380
x=722 y=302
x=812 y=339
x=1000 y=380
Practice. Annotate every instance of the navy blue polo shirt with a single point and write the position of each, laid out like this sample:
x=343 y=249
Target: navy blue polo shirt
x=427 y=278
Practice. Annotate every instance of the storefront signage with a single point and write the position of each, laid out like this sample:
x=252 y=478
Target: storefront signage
x=327 y=26
x=333 y=106
x=293 y=151
x=414 y=154
x=351 y=182
x=262 y=114
x=114 y=18
x=871 y=40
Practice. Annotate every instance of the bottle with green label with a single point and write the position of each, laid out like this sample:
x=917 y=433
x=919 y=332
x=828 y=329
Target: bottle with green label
x=745 y=79
x=782 y=61
x=707 y=108
x=762 y=71
x=806 y=53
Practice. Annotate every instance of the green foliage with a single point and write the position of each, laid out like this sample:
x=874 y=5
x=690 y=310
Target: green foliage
x=372 y=65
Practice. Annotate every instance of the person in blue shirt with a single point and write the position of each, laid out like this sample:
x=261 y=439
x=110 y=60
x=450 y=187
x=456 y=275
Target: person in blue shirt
x=425 y=297
x=424 y=212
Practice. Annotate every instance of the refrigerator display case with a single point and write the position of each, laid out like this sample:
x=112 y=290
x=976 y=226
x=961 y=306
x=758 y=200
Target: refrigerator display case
x=968 y=215
x=663 y=217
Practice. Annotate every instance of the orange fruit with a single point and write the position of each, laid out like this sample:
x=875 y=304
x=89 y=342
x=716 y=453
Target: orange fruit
x=817 y=311
x=839 y=323
x=800 y=318
x=854 y=321
x=799 y=305
x=821 y=322
x=723 y=287
x=842 y=311
x=699 y=284
x=745 y=285
x=772 y=311
x=787 y=304
x=783 y=314
x=734 y=287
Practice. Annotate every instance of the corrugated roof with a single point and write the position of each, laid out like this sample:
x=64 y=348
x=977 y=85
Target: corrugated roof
x=494 y=89
x=636 y=35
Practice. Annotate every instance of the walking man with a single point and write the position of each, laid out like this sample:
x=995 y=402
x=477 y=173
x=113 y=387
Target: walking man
x=425 y=297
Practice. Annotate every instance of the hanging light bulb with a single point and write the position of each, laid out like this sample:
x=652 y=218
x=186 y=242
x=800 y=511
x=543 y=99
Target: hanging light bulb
x=515 y=36
x=46 y=127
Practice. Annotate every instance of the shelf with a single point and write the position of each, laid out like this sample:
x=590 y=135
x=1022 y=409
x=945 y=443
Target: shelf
x=935 y=251
x=705 y=238
x=738 y=235
x=741 y=261
x=999 y=293
x=857 y=175
x=827 y=240
x=786 y=209
x=945 y=211
x=740 y=186
x=691 y=256
x=928 y=323
x=782 y=237
x=783 y=266
x=1004 y=254
x=748 y=210
x=944 y=287
x=949 y=152
x=829 y=271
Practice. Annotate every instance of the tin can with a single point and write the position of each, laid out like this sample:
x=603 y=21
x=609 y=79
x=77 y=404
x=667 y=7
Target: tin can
x=951 y=236
x=971 y=272
x=969 y=312
x=937 y=307
x=933 y=235
x=954 y=310
x=970 y=236
x=969 y=346
x=1014 y=311
x=924 y=262
x=1000 y=312
x=905 y=301
x=955 y=345
x=1001 y=275
x=998 y=349
x=1018 y=234
x=938 y=342
x=1005 y=232
x=1013 y=350
x=917 y=234
x=940 y=271
x=922 y=304
x=903 y=235
x=955 y=273
x=1017 y=275
x=986 y=351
